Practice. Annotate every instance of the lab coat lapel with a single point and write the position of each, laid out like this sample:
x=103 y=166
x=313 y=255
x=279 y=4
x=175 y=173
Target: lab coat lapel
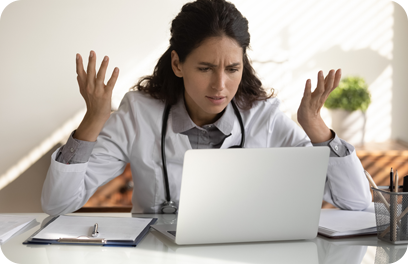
x=235 y=137
x=176 y=144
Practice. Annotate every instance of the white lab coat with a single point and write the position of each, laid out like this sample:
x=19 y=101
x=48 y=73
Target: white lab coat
x=132 y=135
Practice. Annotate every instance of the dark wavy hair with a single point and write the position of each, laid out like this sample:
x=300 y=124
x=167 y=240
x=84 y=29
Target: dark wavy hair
x=196 y=22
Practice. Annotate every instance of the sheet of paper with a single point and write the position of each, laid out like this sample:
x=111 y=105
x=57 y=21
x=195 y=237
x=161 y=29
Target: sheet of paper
x=343 y=221
x=10 y=224
x=110 y=228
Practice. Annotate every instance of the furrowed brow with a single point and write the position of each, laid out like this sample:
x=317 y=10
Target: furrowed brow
x=213 y=65
x=207 y=64
x=234 y=64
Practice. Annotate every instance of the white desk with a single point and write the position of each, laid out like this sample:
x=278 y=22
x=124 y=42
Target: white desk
x=155 y=248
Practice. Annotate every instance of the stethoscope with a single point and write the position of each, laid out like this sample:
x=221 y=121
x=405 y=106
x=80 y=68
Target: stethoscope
x=169 y=207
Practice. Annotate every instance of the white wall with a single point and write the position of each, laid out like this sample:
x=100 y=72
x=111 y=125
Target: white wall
x=399 y=128
x=39 y=40
x=356 y=36
x=24 y=193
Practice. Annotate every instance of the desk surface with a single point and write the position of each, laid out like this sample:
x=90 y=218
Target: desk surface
x=156 y=248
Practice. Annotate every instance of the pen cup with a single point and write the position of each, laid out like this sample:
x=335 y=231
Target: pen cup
x=391 y=214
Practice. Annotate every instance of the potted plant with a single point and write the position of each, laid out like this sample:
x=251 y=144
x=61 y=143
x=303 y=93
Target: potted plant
x=348 y=104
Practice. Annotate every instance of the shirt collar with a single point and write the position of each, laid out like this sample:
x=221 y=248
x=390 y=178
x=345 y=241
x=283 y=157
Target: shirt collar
x=182 y=121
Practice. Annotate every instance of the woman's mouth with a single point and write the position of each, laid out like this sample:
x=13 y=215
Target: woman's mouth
x=216 y=99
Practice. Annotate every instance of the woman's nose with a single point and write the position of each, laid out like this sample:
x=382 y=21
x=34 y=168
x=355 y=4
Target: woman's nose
x=218 y=82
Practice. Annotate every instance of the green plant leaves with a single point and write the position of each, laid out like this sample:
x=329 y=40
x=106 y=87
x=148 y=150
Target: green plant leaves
x=351 y=95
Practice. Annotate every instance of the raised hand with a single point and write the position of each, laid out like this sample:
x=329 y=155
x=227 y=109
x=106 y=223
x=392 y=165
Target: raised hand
x=309 y=110
x=97 y=96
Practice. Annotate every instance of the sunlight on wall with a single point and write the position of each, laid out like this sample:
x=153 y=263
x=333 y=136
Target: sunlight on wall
x=126 y=80
x=136 y=69
x=291 y=41
x=378 y=127
x=59 y=136
x=302 y=37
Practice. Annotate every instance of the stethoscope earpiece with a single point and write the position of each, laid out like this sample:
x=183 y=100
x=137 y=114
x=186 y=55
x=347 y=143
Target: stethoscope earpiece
x=169 y=207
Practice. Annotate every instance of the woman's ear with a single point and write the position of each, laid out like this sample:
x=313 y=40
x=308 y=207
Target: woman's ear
x=175 y=64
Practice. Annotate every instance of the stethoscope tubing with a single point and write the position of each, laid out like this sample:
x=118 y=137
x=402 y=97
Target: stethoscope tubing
x=163 y=146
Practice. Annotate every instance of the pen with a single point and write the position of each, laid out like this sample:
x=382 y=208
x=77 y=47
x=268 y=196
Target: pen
x=391 y=178
x=404 y=220
x=405 y=184
x=95 y=232
x=394 y=210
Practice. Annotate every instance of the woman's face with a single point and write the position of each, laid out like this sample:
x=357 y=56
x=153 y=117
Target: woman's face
x=211 y=75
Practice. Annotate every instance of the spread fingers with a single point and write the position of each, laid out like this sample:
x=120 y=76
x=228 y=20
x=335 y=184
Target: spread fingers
x=112 y=80
x=329 y=83
x=337 y=78
x=320 y=83
x=102 y=71
x=91 y=69
x=80 y=70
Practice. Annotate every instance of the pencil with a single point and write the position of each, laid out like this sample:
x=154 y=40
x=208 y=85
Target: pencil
x=370 y=179
x=398 y=219
x=387 y=205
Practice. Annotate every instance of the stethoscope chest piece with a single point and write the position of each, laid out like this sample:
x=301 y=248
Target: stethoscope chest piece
x=169 y=207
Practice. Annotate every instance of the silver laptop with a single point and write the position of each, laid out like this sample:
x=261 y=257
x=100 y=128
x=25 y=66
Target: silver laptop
x=249 y=195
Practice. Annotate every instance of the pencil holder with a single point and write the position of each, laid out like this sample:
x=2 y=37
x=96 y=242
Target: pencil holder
x=388 y=253
x=391 y=213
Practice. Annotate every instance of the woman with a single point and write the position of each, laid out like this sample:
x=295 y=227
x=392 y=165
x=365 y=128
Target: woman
x=200 y=78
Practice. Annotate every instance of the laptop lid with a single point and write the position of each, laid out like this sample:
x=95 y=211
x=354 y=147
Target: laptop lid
x=247 y=195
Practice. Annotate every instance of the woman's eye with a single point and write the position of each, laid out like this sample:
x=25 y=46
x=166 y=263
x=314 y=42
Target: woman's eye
x=233 y=70
x=204 y=69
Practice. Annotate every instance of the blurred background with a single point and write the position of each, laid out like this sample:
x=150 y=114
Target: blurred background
x=40 y=103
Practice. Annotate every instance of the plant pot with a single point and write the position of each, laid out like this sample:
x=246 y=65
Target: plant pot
x=349 y=126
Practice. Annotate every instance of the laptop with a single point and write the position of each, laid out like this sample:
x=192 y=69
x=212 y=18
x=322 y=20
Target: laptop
x=249 y=195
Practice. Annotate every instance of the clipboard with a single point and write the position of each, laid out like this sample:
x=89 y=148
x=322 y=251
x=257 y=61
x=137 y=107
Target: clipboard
x=353 y=224
x=84 y=240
